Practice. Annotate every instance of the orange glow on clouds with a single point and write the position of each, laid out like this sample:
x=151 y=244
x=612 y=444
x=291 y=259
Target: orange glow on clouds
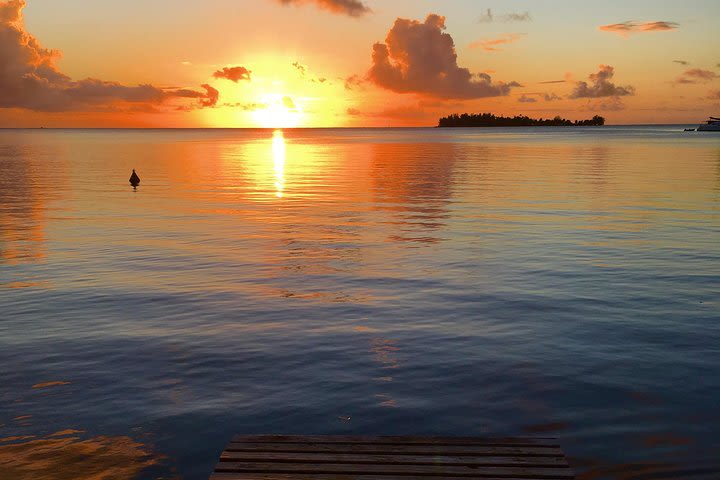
x=353 y=63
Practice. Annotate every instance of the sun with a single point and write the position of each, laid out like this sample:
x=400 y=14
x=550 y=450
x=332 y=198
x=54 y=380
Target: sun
x=280 y=111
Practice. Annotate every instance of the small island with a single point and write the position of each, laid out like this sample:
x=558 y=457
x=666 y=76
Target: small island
x=490 y=120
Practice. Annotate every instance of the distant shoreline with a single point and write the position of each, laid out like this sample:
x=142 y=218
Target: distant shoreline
x=492 y=120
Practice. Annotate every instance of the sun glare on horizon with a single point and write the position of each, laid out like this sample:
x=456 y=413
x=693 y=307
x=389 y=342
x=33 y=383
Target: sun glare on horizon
x=280 y=111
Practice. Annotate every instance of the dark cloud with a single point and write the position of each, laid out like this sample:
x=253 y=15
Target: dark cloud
x=696 y=75
x=419 y=58
x=30 y=79
x=234 y=74
x=553 y=81
x=601 y=85
x=493 y=44
x=488 y=17
x=525 y=99
x=626 y=28
x=354 y=8
x=681 y=62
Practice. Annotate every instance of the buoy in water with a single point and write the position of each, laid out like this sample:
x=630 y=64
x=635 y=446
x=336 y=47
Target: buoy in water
x=134 y=179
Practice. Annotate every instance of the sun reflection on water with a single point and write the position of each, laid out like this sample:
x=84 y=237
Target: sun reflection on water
x=278 y=150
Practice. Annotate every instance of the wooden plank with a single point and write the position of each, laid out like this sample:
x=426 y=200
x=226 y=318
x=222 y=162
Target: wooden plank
x=454 y=450
x=415 y=470
x=331 y=476
x=319 y=458
x=405 y=440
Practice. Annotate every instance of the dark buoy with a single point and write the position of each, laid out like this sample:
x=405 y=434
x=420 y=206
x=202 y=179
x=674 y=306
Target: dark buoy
x=134 y=179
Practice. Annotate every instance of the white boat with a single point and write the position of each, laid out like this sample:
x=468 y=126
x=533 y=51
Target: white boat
x=712 y=125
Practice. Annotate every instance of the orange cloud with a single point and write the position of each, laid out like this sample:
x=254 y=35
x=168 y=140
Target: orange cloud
x=234 y=74
x=417 y=57
x=696 y=75
x=492 y=44
x=601 y=86
x=30 y=79
x=626 y=28
x=354 y=8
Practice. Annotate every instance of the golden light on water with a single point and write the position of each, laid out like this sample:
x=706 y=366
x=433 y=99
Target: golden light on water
x=278 y=150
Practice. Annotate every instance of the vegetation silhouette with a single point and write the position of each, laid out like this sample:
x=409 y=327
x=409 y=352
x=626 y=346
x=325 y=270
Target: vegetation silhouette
x=490 y=120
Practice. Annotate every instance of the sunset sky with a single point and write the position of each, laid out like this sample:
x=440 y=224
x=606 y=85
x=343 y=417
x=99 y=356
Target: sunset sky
x=324 y=63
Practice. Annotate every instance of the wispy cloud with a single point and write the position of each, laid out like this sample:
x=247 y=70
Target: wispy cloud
x=554 y=81
x=681 y=62
x=355 y=82
x=626 y=28
x=532 y=97
x=493 y=44
x=353 y=8
x=304 y=72
x=696 y=75
x=489 y=17
x=611 y=104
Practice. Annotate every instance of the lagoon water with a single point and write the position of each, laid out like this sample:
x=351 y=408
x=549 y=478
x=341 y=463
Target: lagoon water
x=545 y=281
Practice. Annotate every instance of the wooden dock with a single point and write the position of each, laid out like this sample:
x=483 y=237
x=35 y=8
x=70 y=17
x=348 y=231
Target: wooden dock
x=280 y=457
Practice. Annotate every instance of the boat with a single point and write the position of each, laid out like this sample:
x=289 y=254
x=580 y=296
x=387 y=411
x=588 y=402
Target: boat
x=712 y=125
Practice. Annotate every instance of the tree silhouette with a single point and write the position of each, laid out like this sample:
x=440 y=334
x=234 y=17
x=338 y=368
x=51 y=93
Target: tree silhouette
x=490 y=120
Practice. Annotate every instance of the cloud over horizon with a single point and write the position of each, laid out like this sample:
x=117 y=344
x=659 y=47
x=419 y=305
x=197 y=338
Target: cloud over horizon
x=353 y=8
x=30 y=79
x=601 y=85
x=234 y=74
x=626 y=28
x=418 y=57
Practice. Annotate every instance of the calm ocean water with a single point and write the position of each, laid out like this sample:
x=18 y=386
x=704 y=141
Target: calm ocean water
x=555 y=282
